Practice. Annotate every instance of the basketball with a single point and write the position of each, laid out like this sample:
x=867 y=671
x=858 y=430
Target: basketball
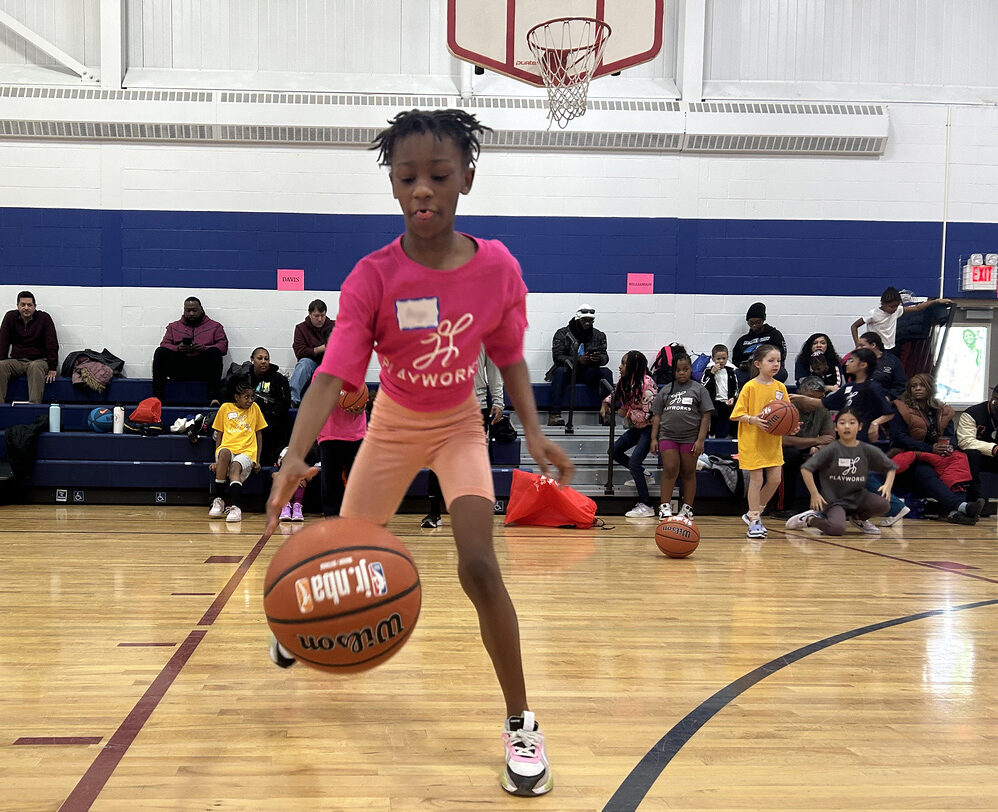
x=354 y=400
x=677 y=536
x=342 y=596
x=781 y=417
x=101 y=419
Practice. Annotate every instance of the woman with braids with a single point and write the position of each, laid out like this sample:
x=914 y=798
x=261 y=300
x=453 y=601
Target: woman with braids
x=633 y=397
x=428 y=301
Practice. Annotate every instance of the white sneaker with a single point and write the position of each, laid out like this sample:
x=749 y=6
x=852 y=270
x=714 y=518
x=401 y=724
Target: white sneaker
x=686 y=512
x=527 y=770
x=889 y=520
x=649 y=478
x=866 y=526
x=800 y=521
x=233 y=514
x=279 y=655
x=746 y=519
x=217 y=508
x=756 y=530
x=665 y=510
x=640 y=511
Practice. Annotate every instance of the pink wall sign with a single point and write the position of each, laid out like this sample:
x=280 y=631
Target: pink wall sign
x=291 y=279
x=640 y=283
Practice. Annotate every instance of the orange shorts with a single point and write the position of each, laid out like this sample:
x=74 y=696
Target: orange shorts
x=400 y=441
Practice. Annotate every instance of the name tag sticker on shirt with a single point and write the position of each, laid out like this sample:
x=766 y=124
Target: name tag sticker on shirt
x=777 y=395
x=687 y=401
x=232 y=415
x=417 y=314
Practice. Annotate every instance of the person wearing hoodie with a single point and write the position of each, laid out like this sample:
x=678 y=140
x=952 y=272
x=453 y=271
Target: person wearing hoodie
x=272 y=394
x=309 y=345
x=577 y=343
x=759 y=333
x=191 y=350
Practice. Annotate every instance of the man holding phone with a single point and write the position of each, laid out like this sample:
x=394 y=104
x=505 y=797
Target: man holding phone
x=581 y=345
x=191 y=350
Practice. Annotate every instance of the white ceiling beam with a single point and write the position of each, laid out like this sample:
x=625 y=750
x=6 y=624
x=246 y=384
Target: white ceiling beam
x=42 y=44
x=112 y=43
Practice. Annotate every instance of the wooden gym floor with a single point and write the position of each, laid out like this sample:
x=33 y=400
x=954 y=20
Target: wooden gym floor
x=796 y=673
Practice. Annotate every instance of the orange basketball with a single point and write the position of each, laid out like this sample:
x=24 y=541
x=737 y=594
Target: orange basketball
x=677 y=536
x=342 y=595
x=781 y=417
x=356 y=399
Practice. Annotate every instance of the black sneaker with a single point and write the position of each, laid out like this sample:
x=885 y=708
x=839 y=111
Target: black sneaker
x=431 y=520
x=555 y=419
x=195 y=428
x=974 y=508
x=956 y=517
x=279 y=655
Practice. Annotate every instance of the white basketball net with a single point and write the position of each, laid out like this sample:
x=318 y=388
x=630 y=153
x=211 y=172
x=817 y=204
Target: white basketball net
x=567 y=51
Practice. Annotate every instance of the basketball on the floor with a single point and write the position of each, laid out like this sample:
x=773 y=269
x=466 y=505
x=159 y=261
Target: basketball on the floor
x=780 y=417
x=355 y=400
x=343 y=595
x=677 y=536
x=101 y=419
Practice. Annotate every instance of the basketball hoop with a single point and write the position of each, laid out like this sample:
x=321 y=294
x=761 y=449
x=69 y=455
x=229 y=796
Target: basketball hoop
x=568 y=51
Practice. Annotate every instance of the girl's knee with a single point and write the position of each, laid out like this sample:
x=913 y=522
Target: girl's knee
x=479 y=575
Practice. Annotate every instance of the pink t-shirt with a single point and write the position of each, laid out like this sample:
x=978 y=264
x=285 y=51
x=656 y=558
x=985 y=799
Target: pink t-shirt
x=427 y=326
x=342 y=425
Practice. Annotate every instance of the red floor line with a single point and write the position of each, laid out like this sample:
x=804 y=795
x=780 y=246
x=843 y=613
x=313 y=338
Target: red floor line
x=961 y=573
x=97 y=775
x=34 y=740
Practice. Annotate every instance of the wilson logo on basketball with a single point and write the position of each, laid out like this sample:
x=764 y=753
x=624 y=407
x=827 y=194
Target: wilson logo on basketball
x=363 y=578
x=384 y=631
x=679 y=530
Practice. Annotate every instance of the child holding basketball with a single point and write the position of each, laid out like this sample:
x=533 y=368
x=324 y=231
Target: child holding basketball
x=760 y=453
x=680 y=419
x=238 y=429
x=428 y=301
x=844 y=466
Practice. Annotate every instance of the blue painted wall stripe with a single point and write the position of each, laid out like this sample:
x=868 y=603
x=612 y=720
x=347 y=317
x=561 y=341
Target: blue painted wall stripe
x=558 y=254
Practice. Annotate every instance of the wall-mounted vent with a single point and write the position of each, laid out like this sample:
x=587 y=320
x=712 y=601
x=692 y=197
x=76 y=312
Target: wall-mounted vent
x=317 y=136
x=96 y=94
x=786 y=144
x=340 y=99
x=612 y=105
x=106 y=130
x=539 y=139
x=788 y=108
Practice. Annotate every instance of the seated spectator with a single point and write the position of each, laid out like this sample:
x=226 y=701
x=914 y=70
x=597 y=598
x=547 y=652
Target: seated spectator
x=923 y=445
x=977 y=436
x=863 y=394
x=816 y=430
x=28 y=346
x=818 y=357
x=883 y=319
x=238 y=426
x=890 y=372
x=191 y=350
x=759 y=333
x=272 y=394
x=309 y=345
x=581 y=345
x=721 y=383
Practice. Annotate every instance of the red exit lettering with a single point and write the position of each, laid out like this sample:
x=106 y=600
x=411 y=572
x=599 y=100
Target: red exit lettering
x=981 y=273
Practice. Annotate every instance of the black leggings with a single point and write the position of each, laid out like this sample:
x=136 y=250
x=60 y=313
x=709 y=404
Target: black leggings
x=337 y=458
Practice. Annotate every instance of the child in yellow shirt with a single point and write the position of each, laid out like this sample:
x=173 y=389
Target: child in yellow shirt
x=238 y=442
x=760 y=453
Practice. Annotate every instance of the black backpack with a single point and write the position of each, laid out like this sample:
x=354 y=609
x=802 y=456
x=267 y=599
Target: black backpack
x=662 y=369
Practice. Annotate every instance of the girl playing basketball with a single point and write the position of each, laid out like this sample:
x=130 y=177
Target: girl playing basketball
x=759 y=453
x=428 y=301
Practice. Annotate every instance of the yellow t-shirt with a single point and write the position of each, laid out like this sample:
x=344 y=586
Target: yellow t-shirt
x=756 y=448
x=239 y=428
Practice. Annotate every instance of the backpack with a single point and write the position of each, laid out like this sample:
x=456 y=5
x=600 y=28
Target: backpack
x=661 y=370
x=700 y=363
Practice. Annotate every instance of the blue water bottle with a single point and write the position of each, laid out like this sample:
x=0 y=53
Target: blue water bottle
x=55 y=417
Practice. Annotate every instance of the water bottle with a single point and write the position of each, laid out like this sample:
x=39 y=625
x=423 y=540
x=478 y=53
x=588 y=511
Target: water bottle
x=55 y=417
x=119 y=420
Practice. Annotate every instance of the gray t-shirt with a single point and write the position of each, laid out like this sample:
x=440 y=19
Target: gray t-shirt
x=679 y=407
x=843 y=471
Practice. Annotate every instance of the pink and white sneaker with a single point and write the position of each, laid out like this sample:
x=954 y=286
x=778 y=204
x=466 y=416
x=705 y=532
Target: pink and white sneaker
x=527 y=771
x=296 y=513
x=286 y=513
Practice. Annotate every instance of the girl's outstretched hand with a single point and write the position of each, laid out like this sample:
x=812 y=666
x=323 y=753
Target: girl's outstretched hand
x=545 y=453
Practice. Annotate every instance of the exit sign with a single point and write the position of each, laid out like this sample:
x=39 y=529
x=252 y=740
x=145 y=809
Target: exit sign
x=979 y=277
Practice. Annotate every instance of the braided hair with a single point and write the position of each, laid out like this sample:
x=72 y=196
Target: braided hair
x=461 y=127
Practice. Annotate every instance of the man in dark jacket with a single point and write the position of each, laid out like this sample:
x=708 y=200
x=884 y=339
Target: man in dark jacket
x=977 y=436
x=309 y=345
x=28 y=346
x=582 y=345
x=759 y=333
x=191 y=350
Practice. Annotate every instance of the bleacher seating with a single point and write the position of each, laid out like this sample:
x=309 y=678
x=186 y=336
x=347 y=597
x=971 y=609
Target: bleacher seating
x=91 y=464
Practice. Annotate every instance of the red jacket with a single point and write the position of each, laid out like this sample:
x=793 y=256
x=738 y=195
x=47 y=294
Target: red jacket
x=307 y=338
x=207 y=332
x=34 y=340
